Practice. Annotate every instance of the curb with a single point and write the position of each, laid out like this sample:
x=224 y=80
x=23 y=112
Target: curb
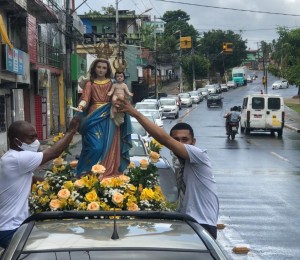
x=292 y=128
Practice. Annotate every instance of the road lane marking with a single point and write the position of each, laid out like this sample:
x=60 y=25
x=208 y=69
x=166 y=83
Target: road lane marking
x=279 y=156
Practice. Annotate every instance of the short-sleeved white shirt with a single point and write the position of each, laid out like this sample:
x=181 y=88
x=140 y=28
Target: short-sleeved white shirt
x=16 y=171
x=200 y=199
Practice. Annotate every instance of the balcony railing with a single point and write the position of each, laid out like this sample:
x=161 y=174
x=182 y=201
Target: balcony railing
x=48 y=55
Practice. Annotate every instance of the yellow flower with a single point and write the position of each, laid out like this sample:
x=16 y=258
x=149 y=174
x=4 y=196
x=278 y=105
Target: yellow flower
x=147 y=194
x=46 y=186
x=63 y=194
x=79 y=183
x=91 y=196
x=132 y=188
x=55 y=139
x=140 y=188
x=90 y=180
x=132 y=207
x=93 y=206
x=54 y=169
x=55 y=204
x=131 y=165
x=58 y=161
x=117 y=198
x=73 y=164
x=40 y=192
x=98 y=169
x=34 y=188
x=107 y=182
x=60 y=135
x=144 y=164
x=124 y=178
x=154 y=156
x=61 y=168
x=68 y=185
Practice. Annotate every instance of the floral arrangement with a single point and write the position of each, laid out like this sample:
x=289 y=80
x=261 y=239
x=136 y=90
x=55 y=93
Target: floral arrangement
x=137 y=189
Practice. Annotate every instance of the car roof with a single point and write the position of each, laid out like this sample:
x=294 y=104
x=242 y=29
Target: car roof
x=140 y=234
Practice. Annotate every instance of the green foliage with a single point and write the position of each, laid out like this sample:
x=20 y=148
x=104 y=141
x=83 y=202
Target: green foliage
x=211 y=47
x=201 y=65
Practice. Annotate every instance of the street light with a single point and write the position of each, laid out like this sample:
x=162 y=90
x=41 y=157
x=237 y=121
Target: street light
x=180 y=63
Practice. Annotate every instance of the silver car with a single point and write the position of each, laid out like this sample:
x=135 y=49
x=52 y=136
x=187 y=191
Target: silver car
x=83 y=235
x=169 y=107
x=196 y=97
x=280 y=84
x=186 y=99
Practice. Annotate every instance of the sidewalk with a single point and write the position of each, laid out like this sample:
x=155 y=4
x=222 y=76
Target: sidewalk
x=292 y=119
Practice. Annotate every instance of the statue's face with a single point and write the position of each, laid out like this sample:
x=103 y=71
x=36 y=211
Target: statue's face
x=101 y=69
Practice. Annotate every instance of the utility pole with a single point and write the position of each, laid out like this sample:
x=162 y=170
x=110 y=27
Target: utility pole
x=117 y=29
x=69 y=48
x=193 y=67
x=155 y=62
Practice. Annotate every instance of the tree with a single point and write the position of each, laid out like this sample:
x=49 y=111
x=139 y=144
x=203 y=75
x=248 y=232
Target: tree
x=211 y=47
x=286 y=56
x=109 y=10
x=201 y=66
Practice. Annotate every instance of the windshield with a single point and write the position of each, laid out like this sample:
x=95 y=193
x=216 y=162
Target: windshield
x=138 y=129
x=138 y=148
x=238 y=75
x=155 y=114
x=148 y=105
x=168 y=102
x=194 y=93
x=184 y=95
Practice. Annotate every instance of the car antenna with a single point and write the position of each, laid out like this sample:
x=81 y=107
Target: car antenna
x=115 y=234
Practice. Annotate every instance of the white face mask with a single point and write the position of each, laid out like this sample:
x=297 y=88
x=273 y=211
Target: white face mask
x=34 y=147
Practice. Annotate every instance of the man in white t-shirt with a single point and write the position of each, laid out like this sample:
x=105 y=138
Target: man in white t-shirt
x=16 y=173
x=196 y=183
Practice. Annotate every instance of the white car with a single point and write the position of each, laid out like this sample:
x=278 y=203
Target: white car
x=280 y=84
x=231 y=84
x=196 y=97
x=224 y=88
x=156 y=115
x=169 y=107
x=203 y=91
x=211 y=89
x=186 y=99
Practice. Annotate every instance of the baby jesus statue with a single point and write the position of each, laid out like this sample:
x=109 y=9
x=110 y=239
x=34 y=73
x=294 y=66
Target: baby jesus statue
x=118 y=89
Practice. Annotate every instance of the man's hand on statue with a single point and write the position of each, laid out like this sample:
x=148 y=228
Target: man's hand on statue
x=80 y=108
x=74 y=124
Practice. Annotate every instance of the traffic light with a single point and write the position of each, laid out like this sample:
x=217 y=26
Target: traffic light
x=227 y=47
x=224 y=46
x=264 y=80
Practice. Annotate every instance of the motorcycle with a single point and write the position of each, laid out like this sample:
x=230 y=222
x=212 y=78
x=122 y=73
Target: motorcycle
x=232 y=129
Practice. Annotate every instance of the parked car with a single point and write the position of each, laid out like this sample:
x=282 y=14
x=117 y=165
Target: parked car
x=138 y=146
x=186 y=99
x=178 y=100
x=169 y=107
x=215 y=100
x=218 y=88
x=196 y=97
x=116 y=234
x=149 y=104
x=137 y=128
x=211 y=89
x=156 y=115
x=280 y=84
x=224 y=88
x=231 y=84
x=203 y=91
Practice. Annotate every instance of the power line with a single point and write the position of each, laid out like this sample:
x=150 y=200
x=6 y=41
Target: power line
x=228 y=8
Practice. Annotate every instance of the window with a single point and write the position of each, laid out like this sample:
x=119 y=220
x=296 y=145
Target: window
x=274 y=103
x=245 y=103
x=258 y=103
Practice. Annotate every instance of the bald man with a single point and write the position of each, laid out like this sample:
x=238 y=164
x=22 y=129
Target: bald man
x=16 y=173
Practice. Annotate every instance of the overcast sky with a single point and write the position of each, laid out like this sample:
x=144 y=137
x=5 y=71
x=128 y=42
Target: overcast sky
x=255 y=26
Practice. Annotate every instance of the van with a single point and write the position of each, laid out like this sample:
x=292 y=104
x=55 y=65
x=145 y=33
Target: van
x=262 y=112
